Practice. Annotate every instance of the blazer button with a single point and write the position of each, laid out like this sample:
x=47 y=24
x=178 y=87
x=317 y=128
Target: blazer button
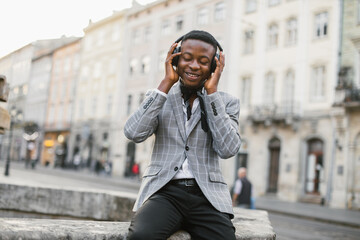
x=176 y=168
x=187 y=148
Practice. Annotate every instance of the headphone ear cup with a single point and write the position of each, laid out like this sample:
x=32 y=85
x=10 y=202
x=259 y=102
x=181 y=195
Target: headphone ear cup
x=213 y=62
x=176 y=59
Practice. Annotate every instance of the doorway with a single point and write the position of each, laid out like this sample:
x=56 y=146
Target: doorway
x=314 y=166
x=274 y=153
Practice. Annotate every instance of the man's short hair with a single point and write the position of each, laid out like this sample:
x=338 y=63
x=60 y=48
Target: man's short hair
x=203 y=36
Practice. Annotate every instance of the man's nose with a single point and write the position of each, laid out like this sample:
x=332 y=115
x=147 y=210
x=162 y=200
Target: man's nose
x=194 y=65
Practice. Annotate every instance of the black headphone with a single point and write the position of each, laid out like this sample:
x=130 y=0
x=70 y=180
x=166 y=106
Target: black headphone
x=175 y=60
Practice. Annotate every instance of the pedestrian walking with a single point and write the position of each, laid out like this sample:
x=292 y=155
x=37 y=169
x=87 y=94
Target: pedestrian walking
x=242 y=191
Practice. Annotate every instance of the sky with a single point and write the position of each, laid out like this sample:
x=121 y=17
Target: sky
x=25 y=21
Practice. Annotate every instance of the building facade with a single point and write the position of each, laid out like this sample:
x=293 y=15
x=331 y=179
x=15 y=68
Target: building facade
x=347 y=110
x=60 y=103
x=286 y=83
x=95 y=130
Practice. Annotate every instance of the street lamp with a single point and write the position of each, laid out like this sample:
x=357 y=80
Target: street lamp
x=16 y=116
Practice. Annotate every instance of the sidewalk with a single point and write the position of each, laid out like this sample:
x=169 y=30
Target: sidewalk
x=84 y=179
x=310 y=211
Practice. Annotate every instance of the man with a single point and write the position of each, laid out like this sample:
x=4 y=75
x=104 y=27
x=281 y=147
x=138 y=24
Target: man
x=194 y=125
x=242 y=190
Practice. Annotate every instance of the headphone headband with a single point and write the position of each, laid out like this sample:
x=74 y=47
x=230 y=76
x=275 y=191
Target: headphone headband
x=182 y=37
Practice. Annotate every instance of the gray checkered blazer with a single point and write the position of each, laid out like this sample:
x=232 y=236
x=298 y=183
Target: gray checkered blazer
x=163 y=116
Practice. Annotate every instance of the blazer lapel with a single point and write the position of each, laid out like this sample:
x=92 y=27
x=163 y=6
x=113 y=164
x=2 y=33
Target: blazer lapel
x=176 y=102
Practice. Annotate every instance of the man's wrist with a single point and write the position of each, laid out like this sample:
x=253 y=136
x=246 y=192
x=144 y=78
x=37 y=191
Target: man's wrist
x=165 y=85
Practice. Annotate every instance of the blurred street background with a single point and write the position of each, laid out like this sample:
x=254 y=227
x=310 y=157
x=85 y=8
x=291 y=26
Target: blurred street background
x=294 y=65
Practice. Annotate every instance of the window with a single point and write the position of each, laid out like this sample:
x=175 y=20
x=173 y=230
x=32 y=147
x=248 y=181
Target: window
x=97 y=70
x=147 y=33
x=269 y=89
x=321 y=25
x=129 y=104
x=245 y=91
x=67 y=65
x=81 y=108
x=179 y=22
x=165 y=27
x=115 y=34
x=249 y=41
x=136 y=36
x=100 y=38
x=133 y=66
x=317 y=85
x=109 y=105
x=63 y=89
x=250 y=6
x=162 y=58
x=273 y=3
x=220 y=11
x=291 y=31
x=273 y=36
x=145 y=64
x=289 y=91
x=94 y=106
x=25 y=89
x=203 y=16
x=68 y=114
x=112 y=66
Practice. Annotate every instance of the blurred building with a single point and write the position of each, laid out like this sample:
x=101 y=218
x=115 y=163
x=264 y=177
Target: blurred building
x=286 y=81
x=346 y=184
x=60 y=103
x=95 y=132
x=29 y=65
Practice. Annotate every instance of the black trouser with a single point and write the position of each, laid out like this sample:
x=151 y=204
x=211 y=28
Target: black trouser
x=176 y=207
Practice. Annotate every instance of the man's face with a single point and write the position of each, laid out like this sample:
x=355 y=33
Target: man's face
x=194 y=64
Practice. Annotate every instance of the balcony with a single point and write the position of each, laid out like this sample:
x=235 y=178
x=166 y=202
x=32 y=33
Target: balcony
x=349 y=98
x=282 y=114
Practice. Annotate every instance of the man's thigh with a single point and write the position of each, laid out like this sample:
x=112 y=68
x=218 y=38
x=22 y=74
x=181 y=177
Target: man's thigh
x=205 y=222
x=156 y=219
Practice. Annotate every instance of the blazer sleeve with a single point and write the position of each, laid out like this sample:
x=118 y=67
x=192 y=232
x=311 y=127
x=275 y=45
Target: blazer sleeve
x=144 y=121
x=222 y=115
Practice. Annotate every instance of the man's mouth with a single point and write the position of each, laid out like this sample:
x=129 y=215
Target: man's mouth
x=192 y=76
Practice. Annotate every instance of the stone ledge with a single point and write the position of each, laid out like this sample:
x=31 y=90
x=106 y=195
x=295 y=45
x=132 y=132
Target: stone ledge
x=113 y=209
x=71 y=203
x=249 y=224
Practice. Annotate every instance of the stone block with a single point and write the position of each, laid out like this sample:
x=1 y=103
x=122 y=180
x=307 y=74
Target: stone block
x=76 y=204
x=112 y=208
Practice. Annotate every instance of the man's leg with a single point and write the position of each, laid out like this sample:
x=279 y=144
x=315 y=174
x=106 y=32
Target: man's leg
x=205 y=222
x=158 y=218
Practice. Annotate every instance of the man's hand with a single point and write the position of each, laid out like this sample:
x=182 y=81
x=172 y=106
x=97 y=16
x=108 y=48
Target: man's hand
x=171 y=76
x=211 y=84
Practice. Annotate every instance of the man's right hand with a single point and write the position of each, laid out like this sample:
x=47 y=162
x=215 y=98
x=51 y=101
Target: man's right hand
x=171 y=76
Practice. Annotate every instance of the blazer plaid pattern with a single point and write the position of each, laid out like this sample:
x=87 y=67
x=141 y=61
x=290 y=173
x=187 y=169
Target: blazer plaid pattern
x=163 y=116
